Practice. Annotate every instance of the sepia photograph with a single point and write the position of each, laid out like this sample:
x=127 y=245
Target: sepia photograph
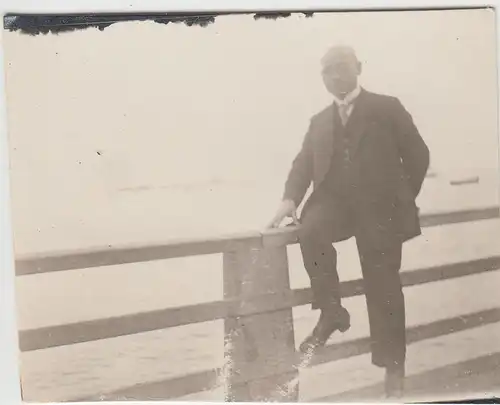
x=266 y=207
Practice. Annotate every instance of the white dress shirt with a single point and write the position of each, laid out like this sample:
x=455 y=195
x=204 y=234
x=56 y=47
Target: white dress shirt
x=346 y=104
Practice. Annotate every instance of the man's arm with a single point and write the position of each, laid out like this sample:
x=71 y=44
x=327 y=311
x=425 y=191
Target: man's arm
x=412 y=148
x=300 y=175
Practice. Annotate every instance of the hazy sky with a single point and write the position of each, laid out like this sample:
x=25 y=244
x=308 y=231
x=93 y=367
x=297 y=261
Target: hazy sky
x=174 y=104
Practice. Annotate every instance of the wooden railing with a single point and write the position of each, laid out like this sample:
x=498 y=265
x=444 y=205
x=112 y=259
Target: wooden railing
x=257 y=309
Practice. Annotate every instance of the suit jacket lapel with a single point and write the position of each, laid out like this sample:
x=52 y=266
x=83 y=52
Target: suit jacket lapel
x=325 y=143
x=357 y=123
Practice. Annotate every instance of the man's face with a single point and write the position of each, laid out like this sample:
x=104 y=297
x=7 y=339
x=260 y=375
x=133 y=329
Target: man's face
x=340 y=75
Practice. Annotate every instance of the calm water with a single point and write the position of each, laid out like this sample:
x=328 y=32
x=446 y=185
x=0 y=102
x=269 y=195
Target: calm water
x=156 y=213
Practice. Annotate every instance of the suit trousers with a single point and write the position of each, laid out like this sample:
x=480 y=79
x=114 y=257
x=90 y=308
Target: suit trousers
x=331 y=220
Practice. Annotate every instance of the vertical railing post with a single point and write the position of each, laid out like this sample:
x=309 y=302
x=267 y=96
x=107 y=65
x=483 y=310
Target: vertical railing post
x=260 y=348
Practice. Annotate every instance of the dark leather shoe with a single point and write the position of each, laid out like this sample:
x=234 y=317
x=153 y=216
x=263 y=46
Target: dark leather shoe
x=328 y=323
x=394 y=382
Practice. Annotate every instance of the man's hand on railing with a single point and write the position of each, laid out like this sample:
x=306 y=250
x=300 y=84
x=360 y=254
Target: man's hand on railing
x=286 y=209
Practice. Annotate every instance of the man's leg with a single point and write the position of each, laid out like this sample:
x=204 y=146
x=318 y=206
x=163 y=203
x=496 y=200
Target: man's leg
x=386 y=310
x=318 y=231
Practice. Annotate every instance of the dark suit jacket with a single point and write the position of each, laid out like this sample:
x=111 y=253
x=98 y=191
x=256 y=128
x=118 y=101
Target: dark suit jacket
x=389 y=163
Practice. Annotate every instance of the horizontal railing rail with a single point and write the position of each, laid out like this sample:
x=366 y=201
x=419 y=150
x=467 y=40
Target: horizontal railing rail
x=116 y=255
x=208 y=379
x=106 y=328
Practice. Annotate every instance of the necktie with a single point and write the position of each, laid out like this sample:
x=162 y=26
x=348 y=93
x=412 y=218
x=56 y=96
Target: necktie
x=343 y=112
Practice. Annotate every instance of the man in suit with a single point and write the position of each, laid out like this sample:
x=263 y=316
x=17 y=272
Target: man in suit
x=367 y=162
